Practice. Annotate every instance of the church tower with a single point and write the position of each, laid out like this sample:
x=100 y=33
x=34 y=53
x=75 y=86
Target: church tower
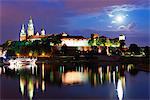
x=30 y=30
x=22 y=33
x=42 y=31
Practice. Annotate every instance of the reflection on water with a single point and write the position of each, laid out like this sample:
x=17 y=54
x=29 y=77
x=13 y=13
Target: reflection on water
x=119 y=90
x=39 y=76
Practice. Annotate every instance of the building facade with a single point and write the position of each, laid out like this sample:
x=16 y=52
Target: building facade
x=72 y=41
x=30 y=35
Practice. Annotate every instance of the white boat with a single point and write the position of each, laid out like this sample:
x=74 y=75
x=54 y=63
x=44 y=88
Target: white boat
x=22 y=63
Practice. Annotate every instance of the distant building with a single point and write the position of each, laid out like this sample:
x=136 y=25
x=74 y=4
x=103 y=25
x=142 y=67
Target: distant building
x=23 y=33
x=30 y=30
x=95 y=35
x=122 y=37
x=72 y=41
x=31 y=36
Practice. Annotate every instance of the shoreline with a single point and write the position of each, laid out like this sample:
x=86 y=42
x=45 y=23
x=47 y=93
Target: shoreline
x=141 y=62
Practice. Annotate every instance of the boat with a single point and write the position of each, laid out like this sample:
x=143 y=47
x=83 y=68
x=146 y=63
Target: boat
x=22 y=63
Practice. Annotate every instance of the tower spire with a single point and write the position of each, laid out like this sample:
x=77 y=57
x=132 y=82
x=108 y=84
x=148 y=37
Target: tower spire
x=42 y=31
x=30 y=27
x=30 y=17
x=22 y=33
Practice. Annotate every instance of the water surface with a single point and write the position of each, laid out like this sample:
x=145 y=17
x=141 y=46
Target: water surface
x=66 y=80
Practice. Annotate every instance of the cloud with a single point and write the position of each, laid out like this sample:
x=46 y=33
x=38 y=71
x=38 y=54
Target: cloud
x=110 y=15
x=112 y=10
x=94 y=6
x=129 y=27
x=109 y=26
x=113 y=22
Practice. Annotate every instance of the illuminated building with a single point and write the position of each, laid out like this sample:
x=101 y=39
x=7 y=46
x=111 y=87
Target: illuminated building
x=74 y=41
x=43 y=32
x=71 y=41
x=22 y=33
x=95 y=35
x=30 y=30
x=30 y=35
x=122 y=37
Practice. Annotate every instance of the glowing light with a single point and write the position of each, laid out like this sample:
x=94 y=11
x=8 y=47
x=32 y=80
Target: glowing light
x=37 y=84
x=75 y=42
x=0 y=70
x=73 y=77
x=30 y=89
x=119 y=18
x=17 y=54
x=43 y=85
x=42 y=70
x=43 y=53
x=30 y=53
x=2 y=54
x=95 y=80
x=121 y=37
x=21 y=63
x=114 y=80
x=120 y=90
x=22 y=85
x=129 y=67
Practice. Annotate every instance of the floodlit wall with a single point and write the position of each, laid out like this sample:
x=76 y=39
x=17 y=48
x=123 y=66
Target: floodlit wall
x=75 y=42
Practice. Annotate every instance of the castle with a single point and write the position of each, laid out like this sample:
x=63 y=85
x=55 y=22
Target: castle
x=72 y=41
x=30 y=35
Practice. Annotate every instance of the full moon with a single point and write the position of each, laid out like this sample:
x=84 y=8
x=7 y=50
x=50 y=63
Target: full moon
x=119 y=18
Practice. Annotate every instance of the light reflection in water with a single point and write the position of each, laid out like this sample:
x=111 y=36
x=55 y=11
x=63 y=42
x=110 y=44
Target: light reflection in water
x=114 y=78
x=0 y=70
x=43 y=85
x=129 y=67
x=119 y=90
x=42 y=70
x=37 y=84
x=3 y=70
x=22 y=85
x=73 y=77
x=30 y=89
x=22 y=63
x=76 y=75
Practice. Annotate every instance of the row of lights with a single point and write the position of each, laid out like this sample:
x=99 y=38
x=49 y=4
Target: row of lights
x=30 y=54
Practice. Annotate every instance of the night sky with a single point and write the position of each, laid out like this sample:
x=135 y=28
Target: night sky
x=78 y=17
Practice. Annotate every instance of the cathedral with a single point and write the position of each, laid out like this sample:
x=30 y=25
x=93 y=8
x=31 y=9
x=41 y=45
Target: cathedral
x=30 y=35
x=66 y=39
x=72 y=41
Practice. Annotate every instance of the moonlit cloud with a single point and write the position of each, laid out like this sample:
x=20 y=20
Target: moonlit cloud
x=128 y=27
x=111 y=10
x=109 y=26
x=118 y=19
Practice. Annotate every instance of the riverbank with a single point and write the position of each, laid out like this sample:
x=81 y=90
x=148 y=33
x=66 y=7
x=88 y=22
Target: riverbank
x=141 y=62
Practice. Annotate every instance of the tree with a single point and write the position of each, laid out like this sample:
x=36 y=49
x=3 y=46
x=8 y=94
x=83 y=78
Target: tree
x=56 y=39
x=7 y=44
x=64 y=49
x=97 y=42
x=90 y=42
x=108 y=43
x=146 y=51
x=122 y=43
x=102 y=41
x=133 y=48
